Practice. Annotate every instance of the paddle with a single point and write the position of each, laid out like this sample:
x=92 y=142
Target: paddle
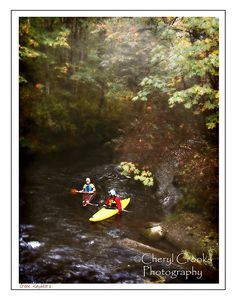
x=108 y=207
x=75 y=191
x=92 y=204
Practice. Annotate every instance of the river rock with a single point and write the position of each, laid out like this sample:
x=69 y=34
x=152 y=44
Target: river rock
x=187 y=231
x=155 y=231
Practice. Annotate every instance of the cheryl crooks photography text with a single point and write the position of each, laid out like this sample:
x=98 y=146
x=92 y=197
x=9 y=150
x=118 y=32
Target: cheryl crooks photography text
x=155 y=266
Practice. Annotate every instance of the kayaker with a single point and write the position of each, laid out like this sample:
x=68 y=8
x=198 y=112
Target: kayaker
x=88 y=187
x=113 y=200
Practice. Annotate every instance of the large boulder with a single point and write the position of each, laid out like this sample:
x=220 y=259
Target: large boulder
x=186 y=231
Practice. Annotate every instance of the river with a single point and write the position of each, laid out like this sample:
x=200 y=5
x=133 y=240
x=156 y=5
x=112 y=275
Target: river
x=58 y=244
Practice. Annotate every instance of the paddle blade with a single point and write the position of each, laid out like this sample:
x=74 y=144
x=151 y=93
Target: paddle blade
x=74 y=191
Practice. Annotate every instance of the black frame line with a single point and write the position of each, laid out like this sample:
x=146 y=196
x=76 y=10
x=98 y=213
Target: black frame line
x=11 y=165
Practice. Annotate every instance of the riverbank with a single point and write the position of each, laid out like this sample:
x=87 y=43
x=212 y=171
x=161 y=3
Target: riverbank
x=183 y=157
x=180 y=152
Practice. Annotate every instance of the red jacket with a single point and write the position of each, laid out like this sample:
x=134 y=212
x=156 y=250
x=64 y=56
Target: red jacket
x=116 y=200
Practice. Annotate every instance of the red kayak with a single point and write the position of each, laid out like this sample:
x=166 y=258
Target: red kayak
x=87 y=198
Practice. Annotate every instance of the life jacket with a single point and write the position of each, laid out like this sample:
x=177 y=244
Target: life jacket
x=88 y=187
x=113 y=201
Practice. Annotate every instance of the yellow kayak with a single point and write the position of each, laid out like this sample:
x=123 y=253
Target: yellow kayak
x=105 y=213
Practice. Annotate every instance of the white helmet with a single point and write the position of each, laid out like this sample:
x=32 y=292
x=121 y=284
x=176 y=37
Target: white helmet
x=112 y=192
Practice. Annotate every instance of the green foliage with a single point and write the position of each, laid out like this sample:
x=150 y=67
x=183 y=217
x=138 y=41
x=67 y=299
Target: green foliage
x=192 y=99
x=184 y=65
x=66 y=96
x=22 y=79
x=58 y=38
x=188 y=256
x=130 y=169
x=79 y=75
x=86 y=75
x=26 y=52
x=212 y=120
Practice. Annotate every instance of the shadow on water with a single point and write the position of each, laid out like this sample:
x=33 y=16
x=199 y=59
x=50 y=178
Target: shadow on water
x=57 y=242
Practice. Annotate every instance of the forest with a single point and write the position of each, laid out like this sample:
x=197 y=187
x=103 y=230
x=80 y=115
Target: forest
x=84 y=79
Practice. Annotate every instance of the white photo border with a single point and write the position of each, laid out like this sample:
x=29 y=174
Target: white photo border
x=15 y=15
